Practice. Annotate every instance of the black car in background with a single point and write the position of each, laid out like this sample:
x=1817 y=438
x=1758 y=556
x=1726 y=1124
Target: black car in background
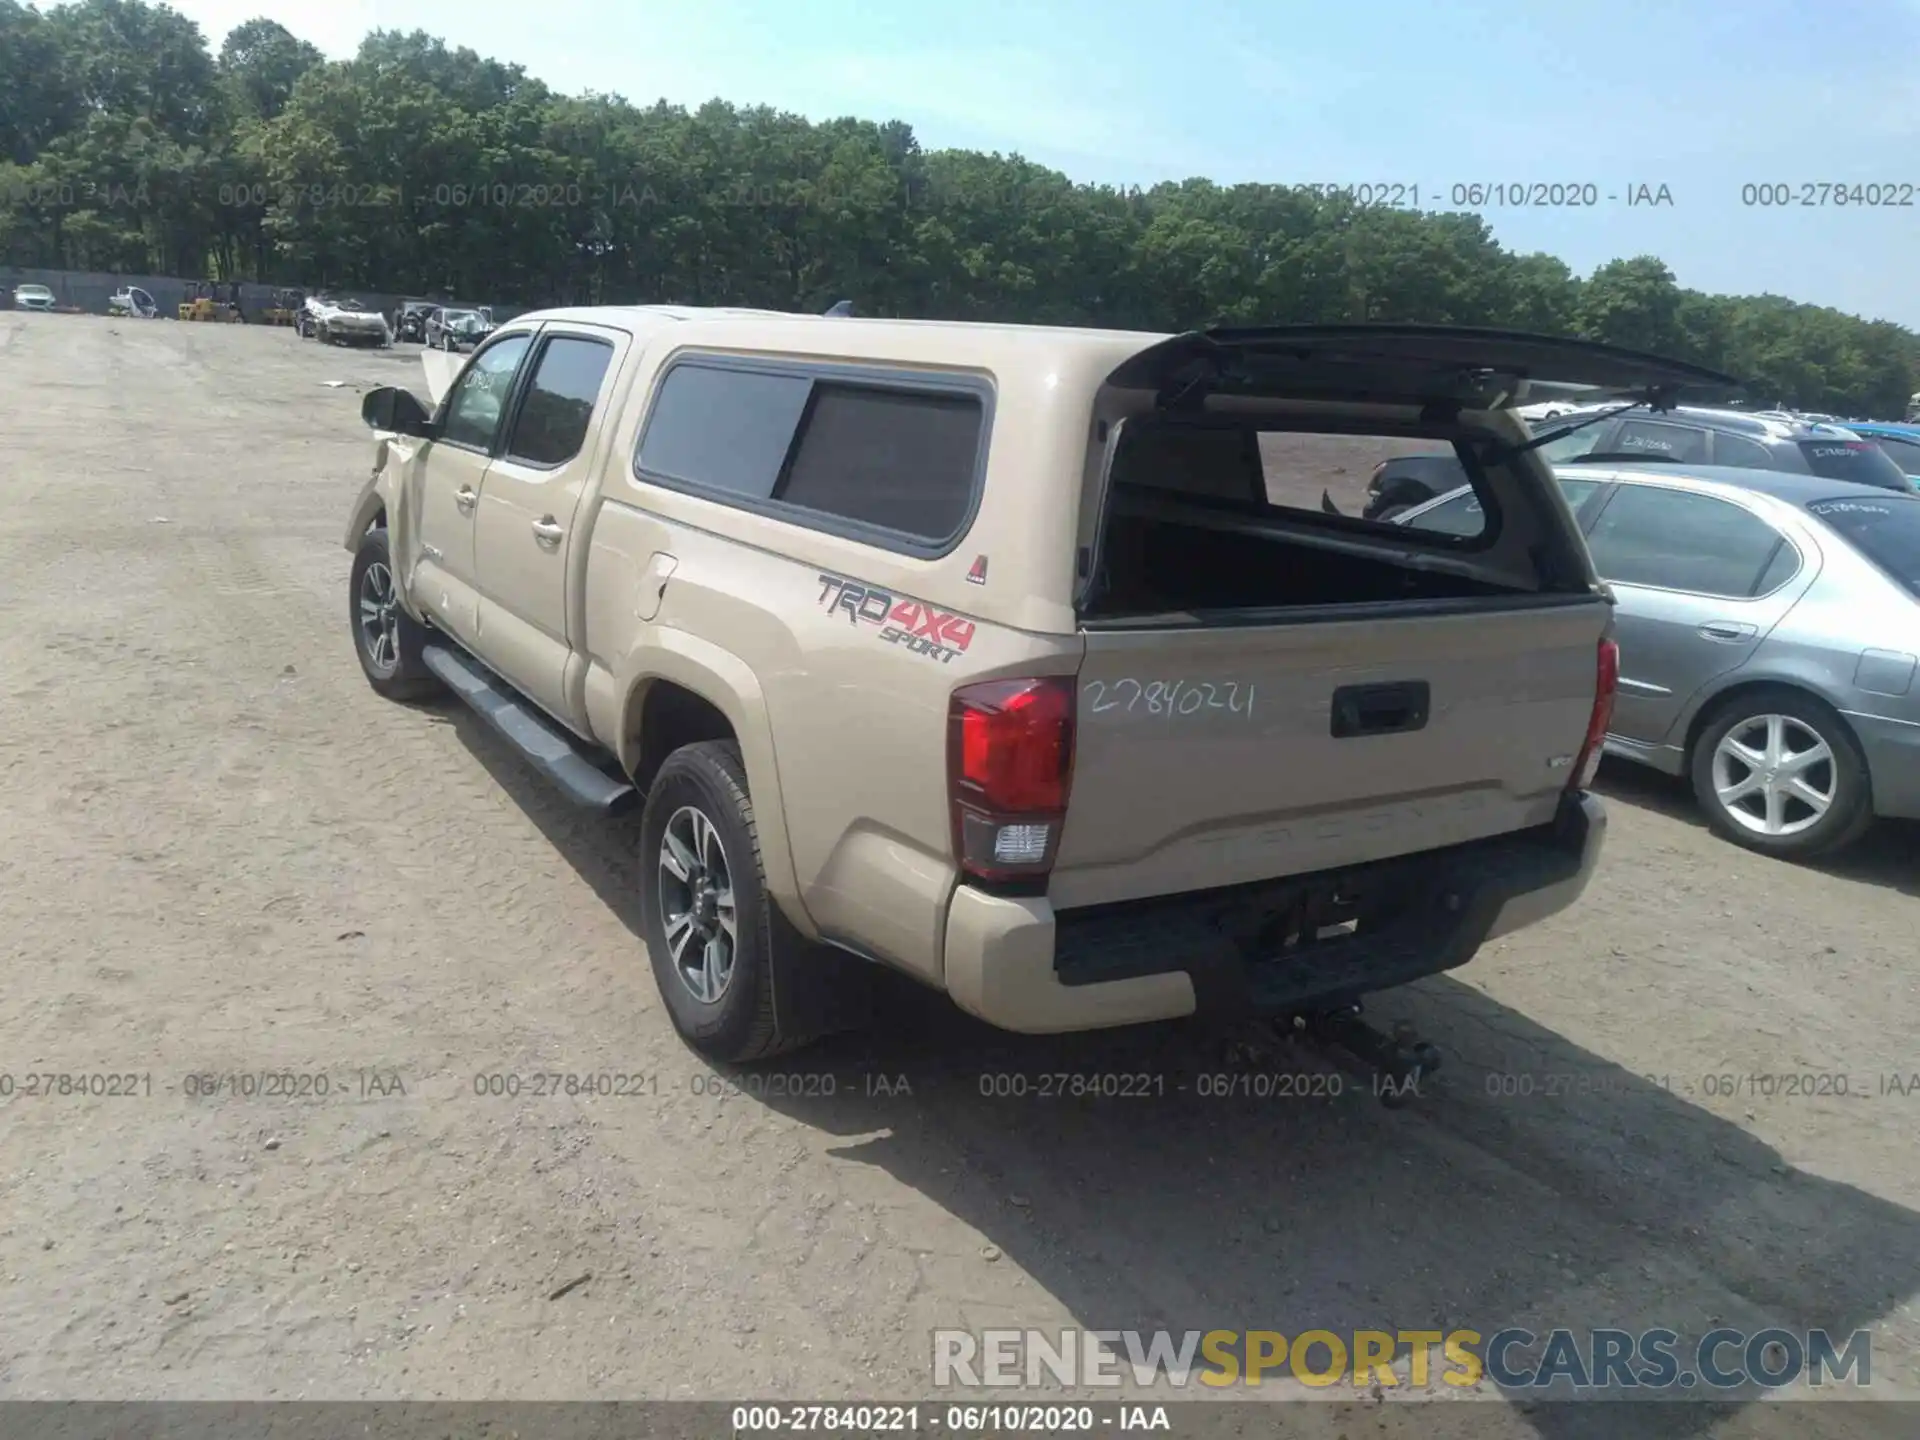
x=1686 y=435
x=457 y=327
x=410 y=320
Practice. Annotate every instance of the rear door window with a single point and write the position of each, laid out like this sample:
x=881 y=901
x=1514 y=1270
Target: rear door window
x=1681 y=443
x=553 y=417
x=1678 y=540
x=1886 y=531
x=1859 y=461
x=1740 y=451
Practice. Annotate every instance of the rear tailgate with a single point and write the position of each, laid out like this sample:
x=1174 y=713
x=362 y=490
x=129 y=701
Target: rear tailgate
x=1211 y=757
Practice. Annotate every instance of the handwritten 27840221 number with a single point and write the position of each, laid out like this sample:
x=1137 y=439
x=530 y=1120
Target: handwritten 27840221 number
x=1169 y=698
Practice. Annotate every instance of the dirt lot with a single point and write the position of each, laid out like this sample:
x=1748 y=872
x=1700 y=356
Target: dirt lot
x=220 y=853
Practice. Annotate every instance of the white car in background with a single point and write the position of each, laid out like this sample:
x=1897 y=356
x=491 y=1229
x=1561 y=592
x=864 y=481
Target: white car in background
x=134 y=303
x=348 y=322
x=32 y=297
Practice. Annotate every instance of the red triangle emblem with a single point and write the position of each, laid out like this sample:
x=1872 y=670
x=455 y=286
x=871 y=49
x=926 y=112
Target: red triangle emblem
x=978 y=574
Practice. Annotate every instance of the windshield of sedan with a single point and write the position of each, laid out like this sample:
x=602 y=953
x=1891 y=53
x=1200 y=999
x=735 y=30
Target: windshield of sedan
x=1860 y=461
x=1886 y=531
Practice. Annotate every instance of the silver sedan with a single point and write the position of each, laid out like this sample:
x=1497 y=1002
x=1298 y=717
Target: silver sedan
x=1769 y=629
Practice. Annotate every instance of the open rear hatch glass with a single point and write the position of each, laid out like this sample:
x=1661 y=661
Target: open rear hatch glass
x=1221 y=745
x=1409 y=364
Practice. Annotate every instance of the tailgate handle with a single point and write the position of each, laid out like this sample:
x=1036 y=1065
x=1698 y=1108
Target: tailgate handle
x=1380 y=709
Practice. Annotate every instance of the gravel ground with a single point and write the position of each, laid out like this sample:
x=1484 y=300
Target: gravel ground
x=221 y=854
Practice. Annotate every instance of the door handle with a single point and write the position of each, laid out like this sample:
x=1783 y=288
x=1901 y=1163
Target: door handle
x=1727 y=630
x=547 y=532
x=466 y=497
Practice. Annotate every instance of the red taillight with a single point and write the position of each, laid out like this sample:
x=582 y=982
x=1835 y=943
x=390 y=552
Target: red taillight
x=1606 y=682
x=1009 y=768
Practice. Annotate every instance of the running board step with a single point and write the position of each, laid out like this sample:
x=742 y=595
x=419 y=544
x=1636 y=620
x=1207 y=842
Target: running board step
x=531 y=733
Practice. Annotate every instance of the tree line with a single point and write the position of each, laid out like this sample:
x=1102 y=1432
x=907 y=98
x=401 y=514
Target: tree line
x=127 y=145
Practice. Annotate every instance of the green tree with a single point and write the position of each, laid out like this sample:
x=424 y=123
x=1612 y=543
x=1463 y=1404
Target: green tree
x=261 y=62
x=417 y=167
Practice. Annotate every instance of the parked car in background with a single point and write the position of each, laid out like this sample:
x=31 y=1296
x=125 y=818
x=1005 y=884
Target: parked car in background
x=448 y=328
x=410 y=320
x=306 y=319
x=132 y=301
x=1404 y=481
x=32 y=297
x=1686 y=435
x=1768 y=626
x=348 y=322
x=1901 y=442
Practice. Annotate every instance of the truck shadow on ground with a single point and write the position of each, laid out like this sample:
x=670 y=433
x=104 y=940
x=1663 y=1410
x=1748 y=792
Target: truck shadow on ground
x=1888 y=855
x=1533 y=1184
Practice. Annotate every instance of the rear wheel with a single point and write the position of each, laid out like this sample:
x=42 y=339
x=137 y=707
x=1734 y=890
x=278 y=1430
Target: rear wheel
x=387 y=639
x=1779 y=772
x=710 y=928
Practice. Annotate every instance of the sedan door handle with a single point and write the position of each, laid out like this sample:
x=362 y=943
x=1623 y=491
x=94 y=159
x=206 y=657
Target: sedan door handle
x=466 y=497
x=1727 y=630
x=547 y=532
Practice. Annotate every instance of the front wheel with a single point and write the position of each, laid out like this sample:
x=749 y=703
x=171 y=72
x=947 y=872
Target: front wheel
x=1779 y=772
x=387 y=640
x=709 y=925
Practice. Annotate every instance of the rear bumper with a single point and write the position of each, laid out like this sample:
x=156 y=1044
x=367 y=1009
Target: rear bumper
x=1016 y=964
x=1892 y=748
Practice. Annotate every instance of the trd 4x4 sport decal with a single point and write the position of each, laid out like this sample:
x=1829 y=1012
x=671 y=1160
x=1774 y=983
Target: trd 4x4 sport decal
x=902 y=620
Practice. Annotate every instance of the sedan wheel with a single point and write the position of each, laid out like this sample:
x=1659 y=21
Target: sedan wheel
x=1774 y=774
x=1777 y=771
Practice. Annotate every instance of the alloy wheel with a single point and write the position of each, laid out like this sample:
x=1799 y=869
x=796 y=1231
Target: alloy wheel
x=696 y=904
x=379 y=618
x=1774 y=775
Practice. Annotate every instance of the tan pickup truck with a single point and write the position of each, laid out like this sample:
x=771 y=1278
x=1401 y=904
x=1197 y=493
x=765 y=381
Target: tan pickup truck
x=1030 y=662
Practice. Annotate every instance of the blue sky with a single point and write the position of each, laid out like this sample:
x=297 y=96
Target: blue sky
x=1703 y=96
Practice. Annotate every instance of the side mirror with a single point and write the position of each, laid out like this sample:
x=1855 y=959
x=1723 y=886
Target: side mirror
x=394 y=409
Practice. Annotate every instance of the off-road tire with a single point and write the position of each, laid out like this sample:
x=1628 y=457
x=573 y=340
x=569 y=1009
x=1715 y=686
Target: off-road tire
x=741 y=1026
x=408 y=678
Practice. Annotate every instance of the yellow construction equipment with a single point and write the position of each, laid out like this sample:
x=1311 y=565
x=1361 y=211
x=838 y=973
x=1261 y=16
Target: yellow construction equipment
x=285 y=305
x=212 y=300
